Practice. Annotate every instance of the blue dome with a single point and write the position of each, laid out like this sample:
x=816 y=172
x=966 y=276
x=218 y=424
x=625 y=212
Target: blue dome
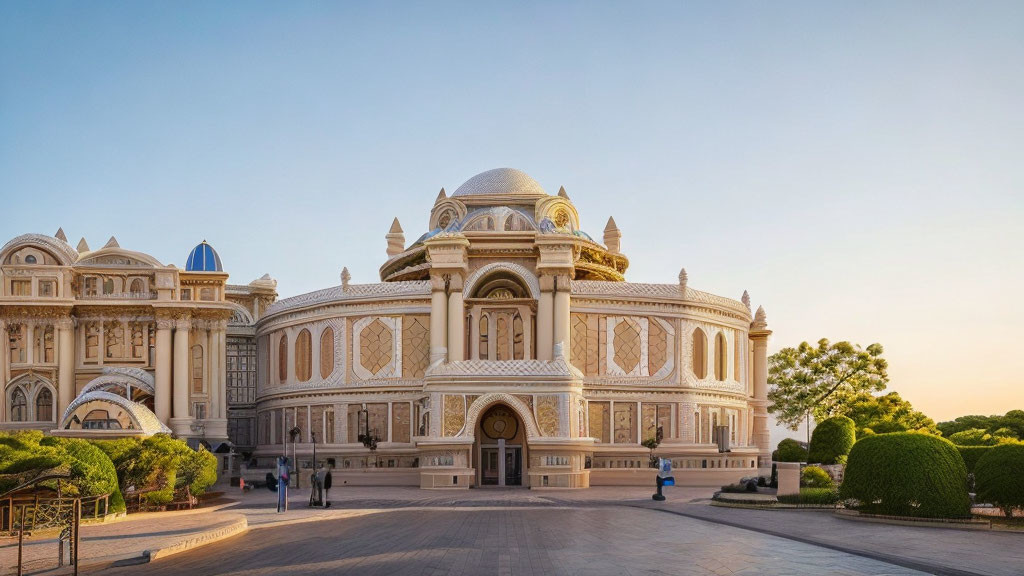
x=203 y=258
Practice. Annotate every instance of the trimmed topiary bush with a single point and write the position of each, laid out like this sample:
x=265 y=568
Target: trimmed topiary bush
x=999 y=477
x=831 y=440
x=815 y=477
x=971 y=454
x=907 y=474
x=789 y=450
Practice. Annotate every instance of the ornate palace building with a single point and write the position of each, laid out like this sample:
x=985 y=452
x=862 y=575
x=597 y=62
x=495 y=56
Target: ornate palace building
x=502 y=347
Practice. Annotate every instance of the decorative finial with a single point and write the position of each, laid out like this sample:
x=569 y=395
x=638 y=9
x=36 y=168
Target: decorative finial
x=396 y=239
x=112 y=243
x=612 y=236
x=562 y=193
x=83 y=246
x=682 y=280
x=745 y=299
x=60 y=235
x=440 y=196
x=345 y=278
x=760 y=319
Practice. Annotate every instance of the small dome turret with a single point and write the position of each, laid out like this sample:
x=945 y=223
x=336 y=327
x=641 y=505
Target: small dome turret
x=203 y=258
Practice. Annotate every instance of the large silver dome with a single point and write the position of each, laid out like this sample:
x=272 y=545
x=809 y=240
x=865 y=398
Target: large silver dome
x=500 y=181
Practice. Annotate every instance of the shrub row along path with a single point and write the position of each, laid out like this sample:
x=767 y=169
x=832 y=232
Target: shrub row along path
x=517 y=531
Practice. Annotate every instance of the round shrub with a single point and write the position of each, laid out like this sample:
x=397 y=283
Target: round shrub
x=999 y=477
x=971 y=454
x=815 y=477
x=907 y=474
x=790 y=450
x=832 y=439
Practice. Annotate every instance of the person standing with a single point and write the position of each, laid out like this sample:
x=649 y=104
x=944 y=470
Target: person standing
x=327 y=488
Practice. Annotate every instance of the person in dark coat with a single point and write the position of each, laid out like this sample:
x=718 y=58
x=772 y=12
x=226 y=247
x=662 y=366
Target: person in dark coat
x=327 y=487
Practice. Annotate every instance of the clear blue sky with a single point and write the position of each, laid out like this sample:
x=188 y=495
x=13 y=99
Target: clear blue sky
x=859 y=168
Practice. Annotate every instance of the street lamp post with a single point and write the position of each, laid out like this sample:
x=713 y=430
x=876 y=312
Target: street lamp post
x=294 y=433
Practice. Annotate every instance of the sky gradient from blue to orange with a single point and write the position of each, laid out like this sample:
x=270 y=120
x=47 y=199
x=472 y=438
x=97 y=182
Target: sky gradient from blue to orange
x=857 y=167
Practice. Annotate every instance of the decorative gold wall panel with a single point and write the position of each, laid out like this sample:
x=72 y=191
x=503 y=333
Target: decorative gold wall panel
x=548 y=415
x=657 y=352
x=454 y=414
x=600 y=421
x=625 y=423
x=400 y=422
x=627 y=344
x=375 y=344
x=415 y=345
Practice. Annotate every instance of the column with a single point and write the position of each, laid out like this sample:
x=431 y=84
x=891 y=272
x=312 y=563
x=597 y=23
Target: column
x=30 y=342
x=162 y=399
x=213 y=384
x=438 y=320
x=65 y=365
x=561 y=315
x=5 y=354
x=222 y=377
x=545 y=318
x=181 y=376
x=759 y=337
x=456 y=320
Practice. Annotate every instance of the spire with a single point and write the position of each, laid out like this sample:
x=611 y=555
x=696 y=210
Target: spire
x=760 y=319
x=112 y=243
x=396 y=239
x=561 y=192
x=440 y=196
x=83 y=246
x=612 y=236
x=345 y=278
x=745 y=299
x=683 y=278
x=60 y=235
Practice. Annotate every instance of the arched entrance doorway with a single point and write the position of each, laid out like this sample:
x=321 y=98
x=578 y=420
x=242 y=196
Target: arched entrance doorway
x=500 y=448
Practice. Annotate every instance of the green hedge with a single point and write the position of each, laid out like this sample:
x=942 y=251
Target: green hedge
x=971 y=454
x=812 y=497
x=907 y=474
x=815 y=477
x=92 y=472
x=159 y=465
x=789 y=450
x=999 y=477
x=832 y=440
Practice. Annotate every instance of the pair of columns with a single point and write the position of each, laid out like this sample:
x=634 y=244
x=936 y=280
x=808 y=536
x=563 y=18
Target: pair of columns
x=552 y=315
x=447 y=318
x=173 y=356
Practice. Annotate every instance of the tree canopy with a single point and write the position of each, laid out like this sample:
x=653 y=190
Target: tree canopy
x=884 y=414
x=1012 y=421
x=820 y=379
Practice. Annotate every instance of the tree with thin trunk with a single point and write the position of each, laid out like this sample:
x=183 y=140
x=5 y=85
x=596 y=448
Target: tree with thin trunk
x=818 y=380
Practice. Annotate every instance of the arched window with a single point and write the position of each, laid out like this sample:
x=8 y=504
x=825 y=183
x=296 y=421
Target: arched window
x=721 y=367
x=19 y=406
x=326 y=352
x=503 y=339
x=517 y=337
x=136 y=286
x=303 y=356
x=197 y=369
x=700 y=354
x=282 y=359
x=44 y=406
x=108 y=286
x=483 y=337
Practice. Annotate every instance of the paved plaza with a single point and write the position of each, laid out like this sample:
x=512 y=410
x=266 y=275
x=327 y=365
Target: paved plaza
x=513 y=540
x=516 y=531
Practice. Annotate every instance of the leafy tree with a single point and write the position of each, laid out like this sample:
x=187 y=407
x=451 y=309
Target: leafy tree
x=884 y=414
x=981 y=437
x=818 y=380
x=1012 y=421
